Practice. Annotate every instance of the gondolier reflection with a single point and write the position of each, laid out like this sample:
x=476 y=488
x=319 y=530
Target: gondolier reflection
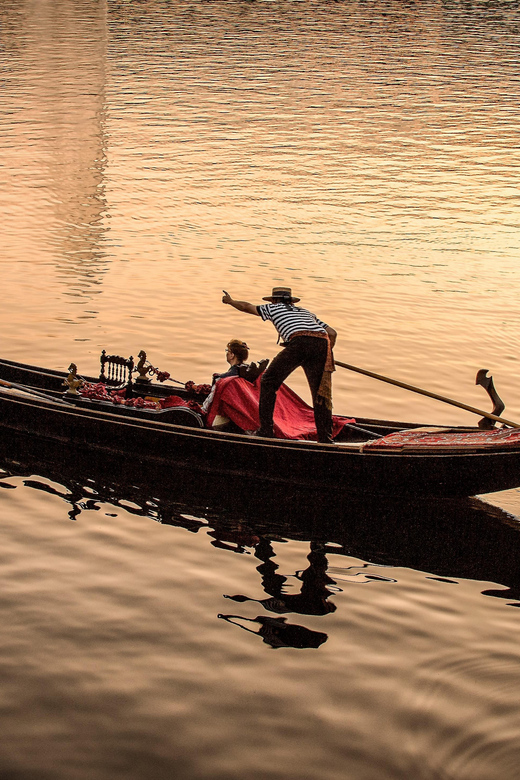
x=308 y=343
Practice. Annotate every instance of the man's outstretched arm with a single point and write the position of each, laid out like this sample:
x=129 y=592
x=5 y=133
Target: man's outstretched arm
x=249 y=308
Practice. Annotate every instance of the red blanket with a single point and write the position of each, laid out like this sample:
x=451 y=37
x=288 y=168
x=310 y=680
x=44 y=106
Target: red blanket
x=237 y=399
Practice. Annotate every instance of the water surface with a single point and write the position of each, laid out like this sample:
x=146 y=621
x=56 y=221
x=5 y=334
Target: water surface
x=366 y=154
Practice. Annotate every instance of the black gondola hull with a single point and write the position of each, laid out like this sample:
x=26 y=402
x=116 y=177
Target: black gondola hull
x=157 y=447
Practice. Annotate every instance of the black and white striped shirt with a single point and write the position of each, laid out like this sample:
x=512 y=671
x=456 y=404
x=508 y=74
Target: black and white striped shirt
x=289 y=319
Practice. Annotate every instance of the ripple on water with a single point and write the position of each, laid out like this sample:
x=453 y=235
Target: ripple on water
x=156 y=153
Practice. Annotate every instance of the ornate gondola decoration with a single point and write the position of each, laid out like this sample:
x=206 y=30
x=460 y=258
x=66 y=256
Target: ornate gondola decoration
x=498 y=405
x=73 y=382
x=146 y=371
x=116 y=371
x=143 y=368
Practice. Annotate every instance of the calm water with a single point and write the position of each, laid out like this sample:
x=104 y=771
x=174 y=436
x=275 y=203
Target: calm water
x=366 y=154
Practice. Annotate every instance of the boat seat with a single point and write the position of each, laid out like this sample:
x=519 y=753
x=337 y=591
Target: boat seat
x=116 y=371
x=181 y=415
x=251 y=371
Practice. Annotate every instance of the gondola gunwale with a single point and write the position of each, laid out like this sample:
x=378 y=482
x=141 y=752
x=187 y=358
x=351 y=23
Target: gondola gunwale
x=162 y=390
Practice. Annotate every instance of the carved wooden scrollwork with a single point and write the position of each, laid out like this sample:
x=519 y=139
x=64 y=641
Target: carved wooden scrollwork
x=498 y=405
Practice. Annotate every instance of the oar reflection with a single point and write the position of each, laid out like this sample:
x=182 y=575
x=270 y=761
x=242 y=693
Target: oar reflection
x=277 y=632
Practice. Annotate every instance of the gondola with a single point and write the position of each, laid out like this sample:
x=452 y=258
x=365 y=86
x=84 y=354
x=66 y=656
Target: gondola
x=369 y=456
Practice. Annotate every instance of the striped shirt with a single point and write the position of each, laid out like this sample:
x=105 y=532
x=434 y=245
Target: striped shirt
x=289 y=320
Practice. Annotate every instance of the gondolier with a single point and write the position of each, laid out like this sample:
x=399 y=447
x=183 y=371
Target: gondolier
x=307 y=342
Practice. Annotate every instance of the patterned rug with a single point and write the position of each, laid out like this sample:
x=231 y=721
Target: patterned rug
x=445 y=439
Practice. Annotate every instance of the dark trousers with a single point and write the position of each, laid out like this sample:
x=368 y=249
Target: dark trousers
x=311 y=354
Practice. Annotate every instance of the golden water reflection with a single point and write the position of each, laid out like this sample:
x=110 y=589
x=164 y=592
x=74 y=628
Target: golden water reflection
x=54 y=139
x=361 y=153
x=366 y=154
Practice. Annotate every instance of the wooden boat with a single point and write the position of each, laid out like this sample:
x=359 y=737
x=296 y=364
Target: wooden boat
x=370 y=457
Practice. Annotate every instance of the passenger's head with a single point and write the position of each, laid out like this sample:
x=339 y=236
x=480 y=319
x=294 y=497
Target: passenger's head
x=237 y=352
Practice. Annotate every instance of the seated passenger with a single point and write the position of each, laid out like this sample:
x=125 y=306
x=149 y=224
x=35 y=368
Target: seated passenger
x=237 y=353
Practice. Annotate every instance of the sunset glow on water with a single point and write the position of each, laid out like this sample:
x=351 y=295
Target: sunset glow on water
x=365 y=154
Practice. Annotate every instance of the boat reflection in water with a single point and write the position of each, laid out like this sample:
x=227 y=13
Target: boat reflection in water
x=453 y=539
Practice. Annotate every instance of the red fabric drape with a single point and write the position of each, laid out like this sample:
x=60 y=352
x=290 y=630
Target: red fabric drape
x=237 y=399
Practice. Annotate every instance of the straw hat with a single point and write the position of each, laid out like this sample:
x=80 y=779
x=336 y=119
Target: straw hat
x=281 y=295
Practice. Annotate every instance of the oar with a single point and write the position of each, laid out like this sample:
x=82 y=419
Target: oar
x=29 y=391
x=437 y=397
